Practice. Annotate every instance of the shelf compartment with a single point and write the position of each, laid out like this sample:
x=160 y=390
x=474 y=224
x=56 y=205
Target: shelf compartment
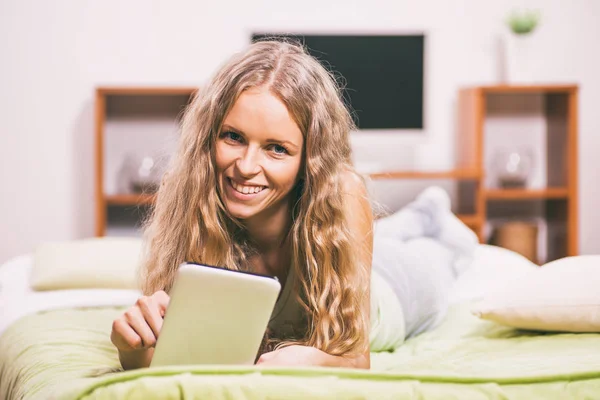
x=125 y=219
x=523 y=194
x=550 y=215
x=535 y=119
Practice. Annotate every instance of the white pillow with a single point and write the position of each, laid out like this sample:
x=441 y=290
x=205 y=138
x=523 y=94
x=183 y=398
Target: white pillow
x=491 y=268
x=14 y=275
x=107 y=263
x=563 y=295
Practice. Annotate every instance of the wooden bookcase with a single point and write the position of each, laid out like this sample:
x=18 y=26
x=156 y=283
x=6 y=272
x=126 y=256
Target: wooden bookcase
x=556 y=108
x=129 y=117
x=506 y=115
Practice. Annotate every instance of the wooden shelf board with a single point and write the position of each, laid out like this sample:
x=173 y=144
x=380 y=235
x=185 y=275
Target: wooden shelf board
x=519 y=194
x=451 y=174
x=528 y=88
x=137 y=91
x=139 y=199
x=472 y=220
x=129 y=199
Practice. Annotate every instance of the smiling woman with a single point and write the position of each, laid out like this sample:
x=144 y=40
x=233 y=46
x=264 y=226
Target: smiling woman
x=263 y=182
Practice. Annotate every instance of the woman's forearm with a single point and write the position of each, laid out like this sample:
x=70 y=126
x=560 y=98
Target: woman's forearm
x=362 y=361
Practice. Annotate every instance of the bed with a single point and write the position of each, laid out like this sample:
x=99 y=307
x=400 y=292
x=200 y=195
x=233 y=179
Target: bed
x=57 y=345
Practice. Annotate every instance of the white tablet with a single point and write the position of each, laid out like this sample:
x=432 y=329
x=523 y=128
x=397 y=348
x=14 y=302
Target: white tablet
x=215 y=316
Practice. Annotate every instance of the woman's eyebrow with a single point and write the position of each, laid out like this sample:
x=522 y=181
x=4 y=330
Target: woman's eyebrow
x=226 y=127
x=284 y=142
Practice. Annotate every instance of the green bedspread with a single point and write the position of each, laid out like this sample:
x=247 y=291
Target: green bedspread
x=67 y=354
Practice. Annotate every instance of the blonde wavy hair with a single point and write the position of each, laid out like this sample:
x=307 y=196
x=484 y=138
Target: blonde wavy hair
x=189 y=221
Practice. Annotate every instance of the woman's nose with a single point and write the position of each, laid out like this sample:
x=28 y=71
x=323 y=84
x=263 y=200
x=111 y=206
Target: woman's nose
x=249 y=163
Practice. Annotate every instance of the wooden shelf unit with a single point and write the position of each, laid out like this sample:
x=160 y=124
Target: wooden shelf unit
x=559 y=108
x=117 y=104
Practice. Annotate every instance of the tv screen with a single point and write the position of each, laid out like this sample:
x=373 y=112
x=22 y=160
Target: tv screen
x=383 y=75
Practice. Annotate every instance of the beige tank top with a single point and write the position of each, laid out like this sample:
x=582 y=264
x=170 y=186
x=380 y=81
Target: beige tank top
x=287 y=320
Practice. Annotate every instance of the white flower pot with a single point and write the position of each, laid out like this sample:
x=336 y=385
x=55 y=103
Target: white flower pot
x=520 y=65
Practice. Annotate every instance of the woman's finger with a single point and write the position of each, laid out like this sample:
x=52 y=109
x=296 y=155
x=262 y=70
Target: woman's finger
x=161 y=298
x=136 y=320
x=123 y=336
x=152 y=314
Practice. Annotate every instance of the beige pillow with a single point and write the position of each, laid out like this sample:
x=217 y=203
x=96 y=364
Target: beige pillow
x=563 y=295
x=107 y=263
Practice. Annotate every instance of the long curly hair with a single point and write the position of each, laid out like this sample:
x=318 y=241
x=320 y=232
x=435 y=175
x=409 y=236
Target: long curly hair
x=189 y=221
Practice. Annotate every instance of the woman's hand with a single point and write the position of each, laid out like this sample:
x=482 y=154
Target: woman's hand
x=137 y=329
x=294 y=356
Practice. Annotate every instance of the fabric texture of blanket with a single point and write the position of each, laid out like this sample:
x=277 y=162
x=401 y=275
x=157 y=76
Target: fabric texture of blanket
x=67 y=354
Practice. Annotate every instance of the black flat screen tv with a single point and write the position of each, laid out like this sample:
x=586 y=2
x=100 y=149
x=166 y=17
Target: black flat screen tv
x=382 y=74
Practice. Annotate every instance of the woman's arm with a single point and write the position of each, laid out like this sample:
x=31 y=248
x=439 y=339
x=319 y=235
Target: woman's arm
x=363 y=361
x=306 y=355
x=360 y=222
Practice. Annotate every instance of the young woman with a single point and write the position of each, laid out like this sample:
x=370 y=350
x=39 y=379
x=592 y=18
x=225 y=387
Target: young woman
x=263 y=181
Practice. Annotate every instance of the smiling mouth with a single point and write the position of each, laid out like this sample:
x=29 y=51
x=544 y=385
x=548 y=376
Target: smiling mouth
x=245 y=189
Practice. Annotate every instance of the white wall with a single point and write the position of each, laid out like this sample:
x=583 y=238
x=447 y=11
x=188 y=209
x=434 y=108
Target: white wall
x=53 y=54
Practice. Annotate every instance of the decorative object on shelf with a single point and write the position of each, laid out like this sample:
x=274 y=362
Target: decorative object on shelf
x=520 y=237
x=141 y=174
x=513 y=167
x=519 y=47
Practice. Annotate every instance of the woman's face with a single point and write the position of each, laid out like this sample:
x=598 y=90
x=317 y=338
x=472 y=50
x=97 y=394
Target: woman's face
x=258 y=155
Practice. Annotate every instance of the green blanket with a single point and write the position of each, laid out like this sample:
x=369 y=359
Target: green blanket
x=67 y=354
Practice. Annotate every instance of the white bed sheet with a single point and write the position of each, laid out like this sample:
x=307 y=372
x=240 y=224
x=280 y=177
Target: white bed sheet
x=17 y=299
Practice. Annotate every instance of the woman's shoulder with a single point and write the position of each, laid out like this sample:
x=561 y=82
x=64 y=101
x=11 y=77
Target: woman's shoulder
x=356 y=200
x=352 y=182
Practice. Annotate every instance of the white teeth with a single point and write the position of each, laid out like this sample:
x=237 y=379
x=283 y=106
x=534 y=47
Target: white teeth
x=247 y=189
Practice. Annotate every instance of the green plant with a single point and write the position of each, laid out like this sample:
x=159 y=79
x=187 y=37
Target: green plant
x=524 y=22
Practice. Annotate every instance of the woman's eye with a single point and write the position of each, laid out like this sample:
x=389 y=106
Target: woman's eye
x=278 y=149
x=232 y=136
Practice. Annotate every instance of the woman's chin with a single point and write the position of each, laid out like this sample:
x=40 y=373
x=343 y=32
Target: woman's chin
x=241 y=212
